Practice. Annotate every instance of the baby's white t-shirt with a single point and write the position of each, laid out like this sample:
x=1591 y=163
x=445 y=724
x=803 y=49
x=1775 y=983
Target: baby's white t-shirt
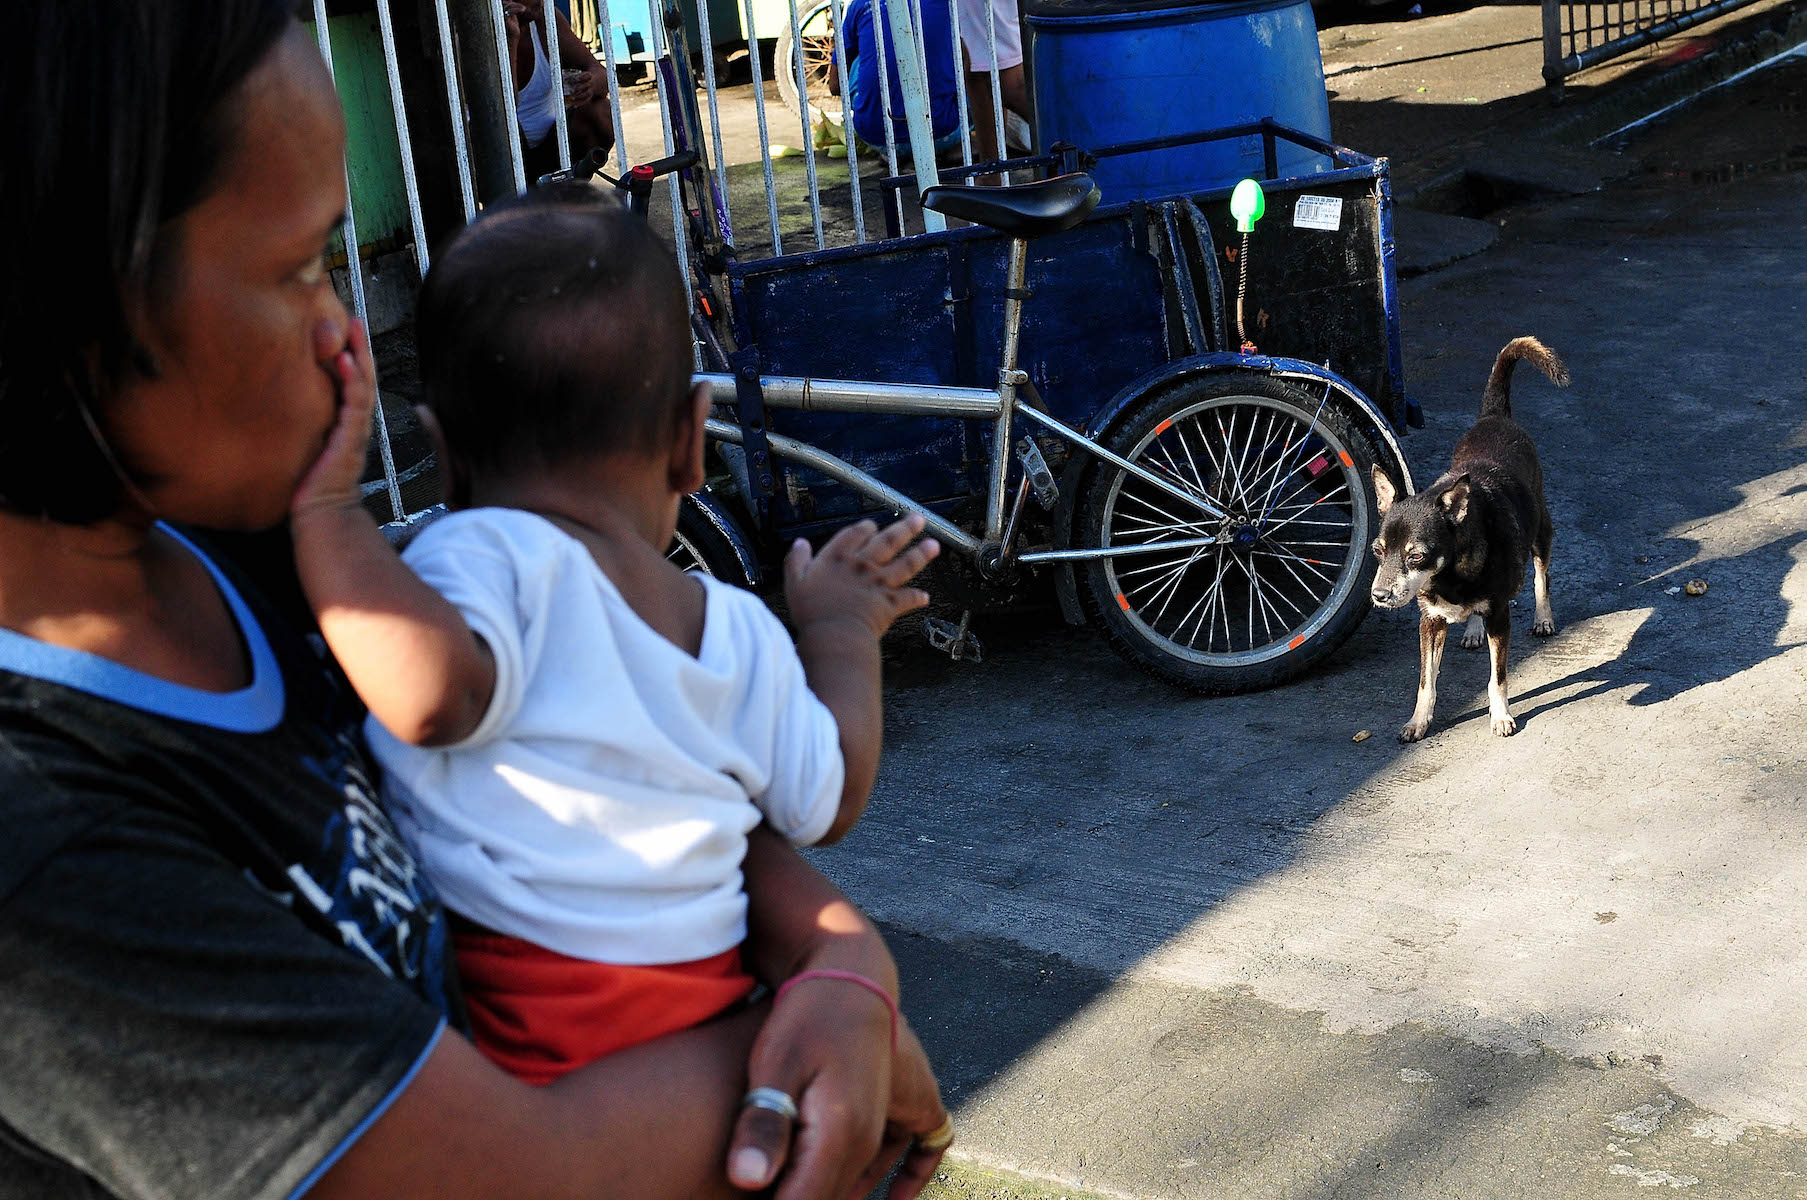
x=601 y=807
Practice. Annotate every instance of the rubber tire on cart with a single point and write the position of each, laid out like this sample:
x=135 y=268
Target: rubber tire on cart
x=701 y=545
x=1293 y=583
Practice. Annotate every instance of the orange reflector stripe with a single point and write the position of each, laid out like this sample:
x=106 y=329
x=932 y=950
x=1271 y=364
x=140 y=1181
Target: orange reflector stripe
x=1344 y=455
x=1123 y=600
x=1163 y=427
x=1296 y=642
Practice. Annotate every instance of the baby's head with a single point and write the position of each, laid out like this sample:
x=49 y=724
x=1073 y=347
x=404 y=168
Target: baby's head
x=553 y=331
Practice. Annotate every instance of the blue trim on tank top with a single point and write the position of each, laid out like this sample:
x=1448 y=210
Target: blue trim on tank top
x=255 y=708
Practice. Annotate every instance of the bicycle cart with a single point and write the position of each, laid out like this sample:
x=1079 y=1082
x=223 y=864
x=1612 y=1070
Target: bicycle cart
x=1167 y=412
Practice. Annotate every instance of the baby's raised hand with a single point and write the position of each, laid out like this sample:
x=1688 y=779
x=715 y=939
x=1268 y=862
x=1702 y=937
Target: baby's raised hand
x=860 y=575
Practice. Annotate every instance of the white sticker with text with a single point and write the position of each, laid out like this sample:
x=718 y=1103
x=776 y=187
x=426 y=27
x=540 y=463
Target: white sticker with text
x=1318 y=212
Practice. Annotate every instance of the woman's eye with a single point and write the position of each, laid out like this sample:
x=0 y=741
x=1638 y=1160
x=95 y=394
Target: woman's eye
x=314 y=273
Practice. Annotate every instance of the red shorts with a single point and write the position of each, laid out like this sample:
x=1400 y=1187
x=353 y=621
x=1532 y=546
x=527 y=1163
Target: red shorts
x=538 y=1014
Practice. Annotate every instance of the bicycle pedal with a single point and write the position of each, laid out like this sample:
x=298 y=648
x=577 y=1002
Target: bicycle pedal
x=958 y=642
x=1041 y=479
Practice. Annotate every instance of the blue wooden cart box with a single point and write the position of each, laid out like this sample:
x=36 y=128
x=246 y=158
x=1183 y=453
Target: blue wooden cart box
x=1134 y=290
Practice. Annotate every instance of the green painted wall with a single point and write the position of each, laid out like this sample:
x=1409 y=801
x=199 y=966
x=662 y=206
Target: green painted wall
x=373 y=150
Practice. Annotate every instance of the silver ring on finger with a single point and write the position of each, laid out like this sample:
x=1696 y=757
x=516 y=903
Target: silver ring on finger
x=771 y=1100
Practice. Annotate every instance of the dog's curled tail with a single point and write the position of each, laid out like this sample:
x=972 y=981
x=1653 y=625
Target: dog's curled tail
x=1496 y=401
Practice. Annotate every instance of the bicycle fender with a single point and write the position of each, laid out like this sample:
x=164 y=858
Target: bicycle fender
x=1349 y=398
x=718 y=516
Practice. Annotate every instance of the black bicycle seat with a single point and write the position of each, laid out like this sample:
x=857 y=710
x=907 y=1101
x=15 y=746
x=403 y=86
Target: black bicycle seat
x=1031 y=211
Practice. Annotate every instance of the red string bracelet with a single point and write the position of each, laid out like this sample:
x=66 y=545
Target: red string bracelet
x=845 y=977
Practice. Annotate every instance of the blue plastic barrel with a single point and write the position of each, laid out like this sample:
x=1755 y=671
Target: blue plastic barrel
x=1110 y=72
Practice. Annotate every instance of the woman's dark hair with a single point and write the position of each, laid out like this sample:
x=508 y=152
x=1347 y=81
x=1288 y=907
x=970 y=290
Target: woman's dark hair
x=553 y=326
x=118 y=119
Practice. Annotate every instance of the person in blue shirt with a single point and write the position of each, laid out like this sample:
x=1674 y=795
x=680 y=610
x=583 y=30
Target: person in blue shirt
x=867 y=104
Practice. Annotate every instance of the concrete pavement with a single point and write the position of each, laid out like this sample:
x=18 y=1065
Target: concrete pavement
x=1169 y=947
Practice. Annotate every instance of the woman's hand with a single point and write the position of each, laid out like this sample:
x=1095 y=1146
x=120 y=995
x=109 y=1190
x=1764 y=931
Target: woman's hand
x=863 y=1093
x=825 y=1053
x=333 y=481
x=915 y=1112
x=827 y=1045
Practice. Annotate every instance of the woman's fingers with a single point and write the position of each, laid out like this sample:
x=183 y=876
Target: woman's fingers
x=919 y=1166
x=896 y=1140
x=759 y=1148
x=829 y=1151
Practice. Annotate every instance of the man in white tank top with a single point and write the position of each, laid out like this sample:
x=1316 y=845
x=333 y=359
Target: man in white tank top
x=583 y=88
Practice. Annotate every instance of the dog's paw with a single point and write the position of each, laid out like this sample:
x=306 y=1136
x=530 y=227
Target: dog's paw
x=1473 y=641
x=1414 y=731
x=1504 y=727
x=1544 y=629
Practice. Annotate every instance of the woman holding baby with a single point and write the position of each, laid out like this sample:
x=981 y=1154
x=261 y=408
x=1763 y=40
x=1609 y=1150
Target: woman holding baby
x=222 y=970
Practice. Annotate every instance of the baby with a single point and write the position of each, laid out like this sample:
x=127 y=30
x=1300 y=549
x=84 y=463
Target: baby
x=577 y=736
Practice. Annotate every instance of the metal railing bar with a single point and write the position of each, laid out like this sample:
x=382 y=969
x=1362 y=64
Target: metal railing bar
x=726 y=220
x=997 y=92
x=508 y=94
x=665 y=78
x=848 y=137
x=912 y=77
x=454 y=98
x=861 y=396
x=410 y=183
x=354 y=269
x=622 y=162
x=809 y=134
x=765 y=137
x=884 y=90
x=558 y=81
x=966 y=133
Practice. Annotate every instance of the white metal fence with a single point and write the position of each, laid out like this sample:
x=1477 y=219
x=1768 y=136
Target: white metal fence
x=811 y=49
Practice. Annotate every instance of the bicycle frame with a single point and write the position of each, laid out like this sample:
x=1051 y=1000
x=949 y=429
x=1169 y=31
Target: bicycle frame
x=1000 y=405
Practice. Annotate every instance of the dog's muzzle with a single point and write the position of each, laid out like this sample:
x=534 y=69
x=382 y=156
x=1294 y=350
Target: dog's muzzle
x=1387 y=598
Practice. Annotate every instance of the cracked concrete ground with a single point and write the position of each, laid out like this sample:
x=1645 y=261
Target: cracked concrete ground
x=1163 y=946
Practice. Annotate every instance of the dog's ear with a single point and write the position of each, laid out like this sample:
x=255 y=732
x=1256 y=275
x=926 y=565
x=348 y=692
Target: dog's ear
x=1454 y=499
x=1383 y=490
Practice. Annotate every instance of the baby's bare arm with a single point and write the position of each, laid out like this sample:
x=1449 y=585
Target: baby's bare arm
x=414 y=662
x=843 y=600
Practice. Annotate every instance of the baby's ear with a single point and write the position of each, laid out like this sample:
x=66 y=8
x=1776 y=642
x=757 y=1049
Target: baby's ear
x=686 y=466
x=1384 y=491
x=454 y=481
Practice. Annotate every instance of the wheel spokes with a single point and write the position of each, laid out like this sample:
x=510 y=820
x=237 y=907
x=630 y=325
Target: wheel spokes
x=1285 y=543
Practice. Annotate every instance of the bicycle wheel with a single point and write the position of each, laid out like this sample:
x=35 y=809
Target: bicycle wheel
x=1287 y=578
x=817 y=25
x=701 y=543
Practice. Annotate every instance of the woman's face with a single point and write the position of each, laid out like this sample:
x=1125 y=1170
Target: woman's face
x=241 y=404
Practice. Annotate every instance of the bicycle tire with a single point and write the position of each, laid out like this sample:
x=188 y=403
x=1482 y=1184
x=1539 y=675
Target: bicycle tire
x=701 y=544
x=784 y=62
x=1294 y=481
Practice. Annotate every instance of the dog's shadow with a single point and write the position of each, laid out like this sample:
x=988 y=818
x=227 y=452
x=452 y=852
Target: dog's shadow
x=1745 y=619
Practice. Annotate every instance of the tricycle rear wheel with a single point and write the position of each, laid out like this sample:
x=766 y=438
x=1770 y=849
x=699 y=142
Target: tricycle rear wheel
x=1286 y=581
x=702 y=542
